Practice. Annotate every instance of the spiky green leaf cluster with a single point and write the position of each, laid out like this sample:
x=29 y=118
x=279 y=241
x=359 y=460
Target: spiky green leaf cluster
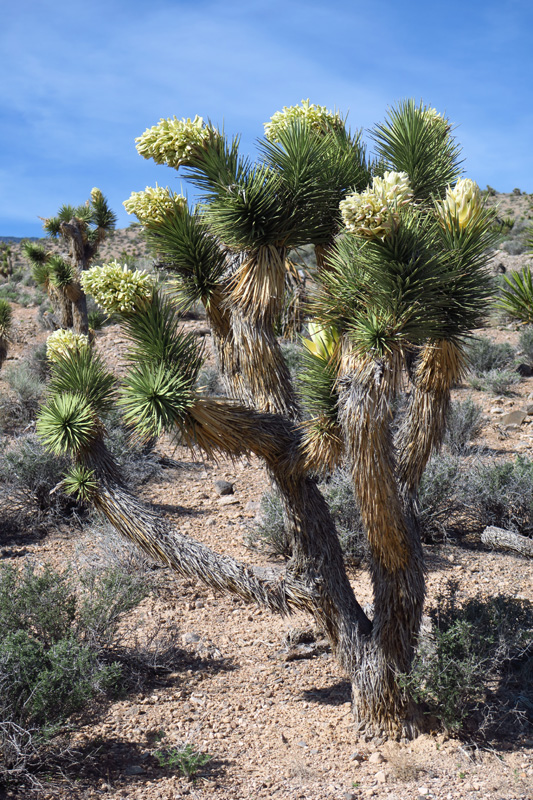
x=117 y=288
x=80 y=482
x=63 y=342
x=154 y=205
x=416 y=140
x=61 y=273
x=185 y=245
x=517 y=297
x=82 y=371
x=67 y=424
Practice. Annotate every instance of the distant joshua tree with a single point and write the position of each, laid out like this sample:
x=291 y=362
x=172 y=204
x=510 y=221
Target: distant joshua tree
x=83 y=229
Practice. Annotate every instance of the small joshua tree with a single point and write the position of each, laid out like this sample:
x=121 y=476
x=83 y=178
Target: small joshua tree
x=401 y=285
x=83 y=229
x=6 y=316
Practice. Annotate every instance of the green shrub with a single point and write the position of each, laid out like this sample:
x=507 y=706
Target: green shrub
x=497 y=381
x=439 y=495
x=20 y=406
x=340 y=498
x=500 y=494
x=467 y=668
x=464 y=423
x=185 y=759
x=209 y=382
x=269 y=533
x=525 y=342
x=56 y=652
x=485 y=355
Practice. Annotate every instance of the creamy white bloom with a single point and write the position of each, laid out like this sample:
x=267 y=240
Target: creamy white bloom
x=96 y=194
x=366 y=214
x=317 y=117
x=173 y=141
x=154 y=204
x=462 y=204
x=116 y=288
x=64 y=341
x=394 y=188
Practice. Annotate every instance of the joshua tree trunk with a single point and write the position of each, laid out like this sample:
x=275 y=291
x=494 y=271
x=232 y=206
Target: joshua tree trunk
x=396 y=563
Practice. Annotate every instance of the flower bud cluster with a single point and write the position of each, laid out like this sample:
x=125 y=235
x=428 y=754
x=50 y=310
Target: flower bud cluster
x=96 y=194
x=64 y=341
x=317 y=117
x=153 y=205
x=462 y=204
x=373 y=214
x=116 y=288
x=323 y=341
x=173 y=141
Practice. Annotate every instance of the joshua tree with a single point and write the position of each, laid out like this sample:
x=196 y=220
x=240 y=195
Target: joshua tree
x=83 y=229
x=399 y=291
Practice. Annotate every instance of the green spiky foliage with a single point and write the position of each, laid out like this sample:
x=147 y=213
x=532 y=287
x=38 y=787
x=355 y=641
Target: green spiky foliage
x=189 y=251
x=80 y=482
x=85 y=374
x=67 y=424
x=159 y=387
x=415 y=140
x=61 y=273
x=517 y=297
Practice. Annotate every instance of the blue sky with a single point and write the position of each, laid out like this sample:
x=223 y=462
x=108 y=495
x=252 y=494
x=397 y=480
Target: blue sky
x=79 y=81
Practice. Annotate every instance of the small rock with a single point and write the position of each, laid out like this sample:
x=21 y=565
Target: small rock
x=525 y=370
x=496 y=410
x=423 y=791
x=223 y=487
x=190 y=638
x=302 y=744
x=529 y=409
x=255 y=505
x=513 y=418
x=376 y=758
x=228 y=501
x=134 y=769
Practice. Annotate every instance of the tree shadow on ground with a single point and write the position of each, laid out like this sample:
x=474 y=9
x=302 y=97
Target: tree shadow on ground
x=335 y=695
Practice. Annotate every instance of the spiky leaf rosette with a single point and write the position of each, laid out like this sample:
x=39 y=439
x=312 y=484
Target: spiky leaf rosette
x=117 y=288
x=61 y=272
x=317 y=379
x=183 y=242
x=416 y=140
x=80 y=482
x=319 y=170
x=517 y=298
x=67 y=424
x=154 y=205
x=83 y=372
x=102 y=217
x=157 y=339
x=62 y=342
x=317 y=118
x=35 y=253
x=155 y=398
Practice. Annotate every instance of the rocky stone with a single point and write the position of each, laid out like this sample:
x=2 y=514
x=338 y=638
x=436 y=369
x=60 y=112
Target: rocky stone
x=134 y=769
x=223 y=488
x=190 y=638
x=513 y=418
x=525 y=370
x=381 y=776
x=376 y=758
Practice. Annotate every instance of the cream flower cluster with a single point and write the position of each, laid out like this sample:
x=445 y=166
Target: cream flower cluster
x=116 y=288
x=96 y=194
x=172 y=141
x=323 y=340
x=64 y=341
x=153 y=205
x=462 y=204
x=434 y=118
x=317 y=117
x=373 y=213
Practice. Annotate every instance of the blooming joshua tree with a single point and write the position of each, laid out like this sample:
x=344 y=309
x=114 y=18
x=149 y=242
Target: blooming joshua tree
x=401 y=285
x=83 y=229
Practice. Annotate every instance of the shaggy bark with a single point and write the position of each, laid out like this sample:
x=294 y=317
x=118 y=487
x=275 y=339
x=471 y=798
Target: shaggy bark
x=506 y=540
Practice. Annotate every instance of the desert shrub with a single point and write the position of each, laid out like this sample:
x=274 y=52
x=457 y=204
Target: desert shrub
x=37 y=362
x=497 y=381
x=485 y=355
x=28 y=473
x=53 y=639
x=500 y=494
x=185 y=759
x=137 y=461
x=525 y=342
x=270 y=535
x=340 y=498
x=19 y=407
x=439 y=495
x=464 y=423
x=467 y=669
x=292 y=354
x=209 y=381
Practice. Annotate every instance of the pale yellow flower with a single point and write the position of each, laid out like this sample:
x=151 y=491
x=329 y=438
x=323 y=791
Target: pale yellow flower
x=118 y=289
x=323 y=340
x=154 y=204
x=462 y=204
x=394 y=188
x=173 y=141
x=64 y=341
x=317 y=117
